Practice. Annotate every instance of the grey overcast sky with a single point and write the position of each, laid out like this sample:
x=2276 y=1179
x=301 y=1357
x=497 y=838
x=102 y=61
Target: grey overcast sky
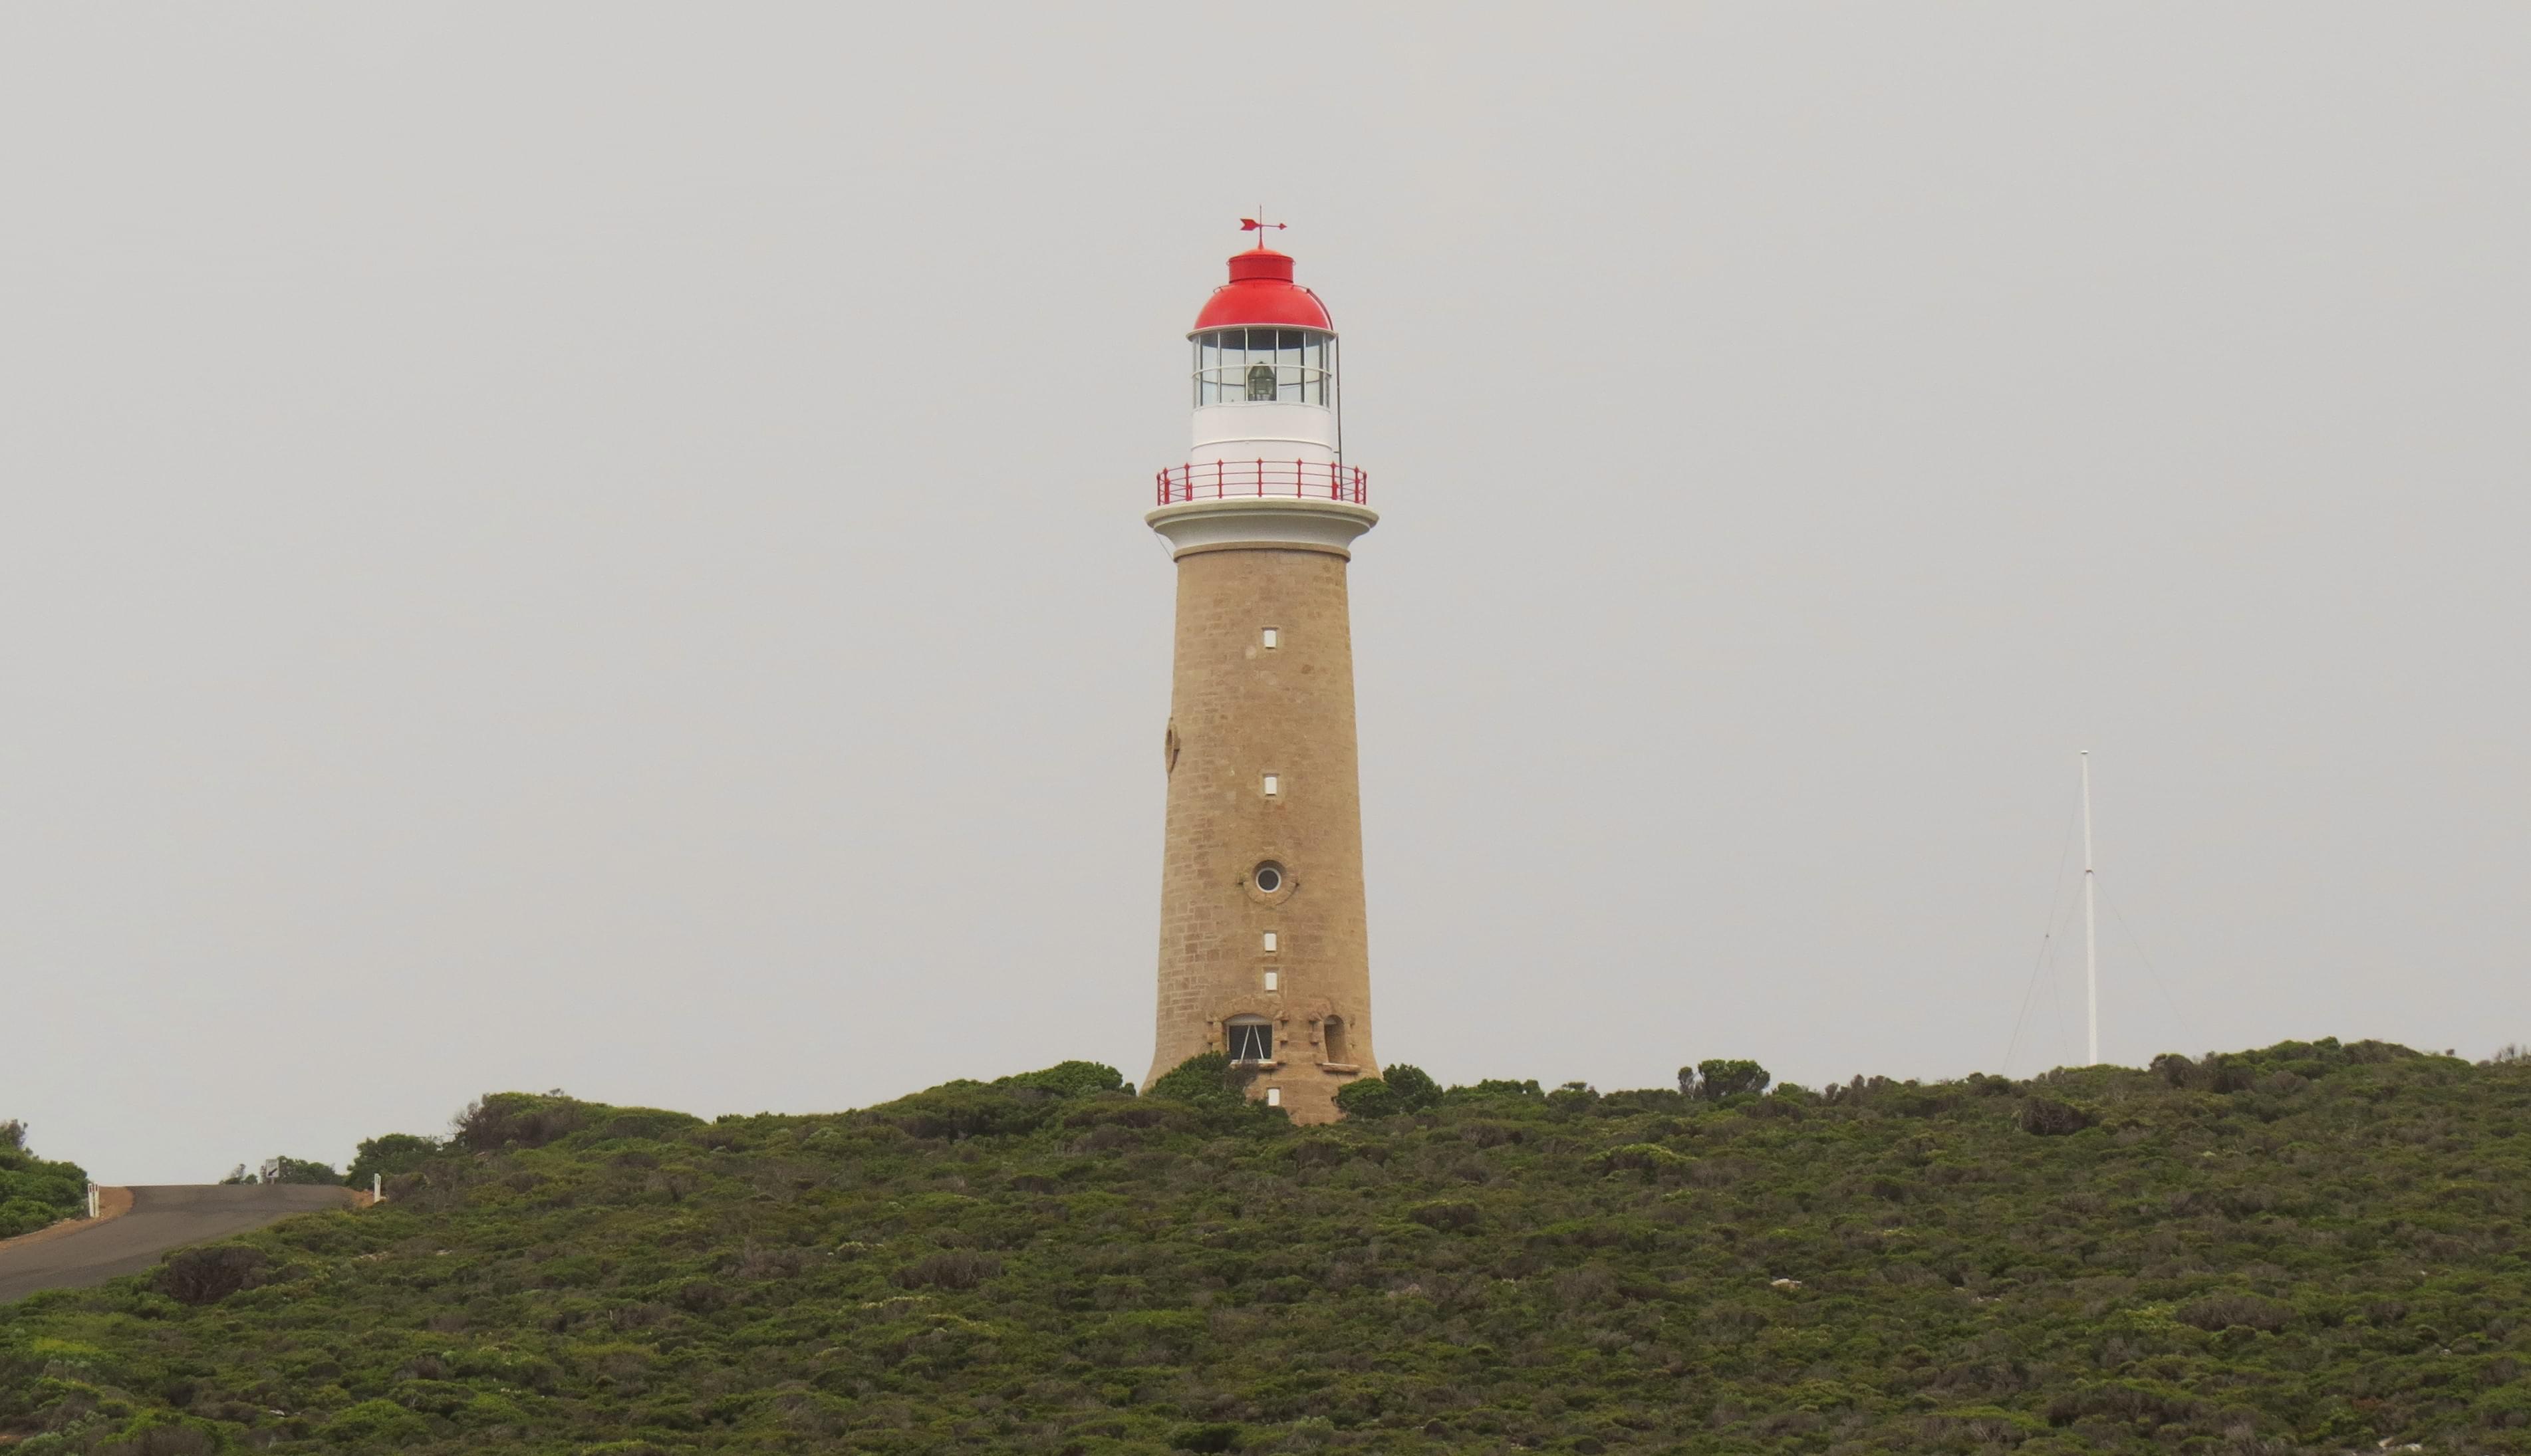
x=600 y=545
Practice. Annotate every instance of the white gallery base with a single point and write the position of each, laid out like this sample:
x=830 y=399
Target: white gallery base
x=1268 y=521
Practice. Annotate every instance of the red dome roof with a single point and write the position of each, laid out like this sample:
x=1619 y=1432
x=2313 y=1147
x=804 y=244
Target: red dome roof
x=1261 y=290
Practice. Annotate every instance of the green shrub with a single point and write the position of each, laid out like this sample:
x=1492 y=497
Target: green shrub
x=1724 y=1077
x=379 y=1420
x=390 y=1155
x=1208 y=1079
x=1648 y=1157
x=969 y=1109
x=1124 y=1109
x=1369 y=1096
x=1573 y=1097
x=2224 y=1311
x=1496 y=1087
x=34 y=1192
x=1449 y=1216
x=951 y=1269
x=650 y=1124
x=300 y=1170
x=1070 y=1079
x=1415 y=1091
x=165 y=1433
x=521 y=1120
x=208 y=1275
x=2053 y=1119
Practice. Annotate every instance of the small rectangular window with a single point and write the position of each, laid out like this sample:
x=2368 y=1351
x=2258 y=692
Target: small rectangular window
x=1273 y=981
x=1273 y=1096
x=1274 y=637
x=1273 y=785
x=1271 y=942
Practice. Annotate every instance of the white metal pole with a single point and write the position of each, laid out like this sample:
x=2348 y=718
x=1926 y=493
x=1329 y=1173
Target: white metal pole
x=2091 y=942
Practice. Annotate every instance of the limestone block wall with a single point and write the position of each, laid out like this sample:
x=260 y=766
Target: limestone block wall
x=1242 y=710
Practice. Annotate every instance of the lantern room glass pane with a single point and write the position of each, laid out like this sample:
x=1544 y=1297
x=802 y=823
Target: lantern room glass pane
x=1242 y=366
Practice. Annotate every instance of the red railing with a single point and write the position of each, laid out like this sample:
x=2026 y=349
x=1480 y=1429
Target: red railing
x=1230 y=479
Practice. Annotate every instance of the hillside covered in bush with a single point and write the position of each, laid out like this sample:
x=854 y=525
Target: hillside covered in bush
x=34 y=1192
x=2310 y=1248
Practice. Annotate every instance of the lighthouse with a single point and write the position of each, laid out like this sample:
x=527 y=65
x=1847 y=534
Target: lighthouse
x=1265 y=950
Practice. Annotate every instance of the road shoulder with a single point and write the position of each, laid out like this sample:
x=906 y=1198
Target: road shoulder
x=111 y=1204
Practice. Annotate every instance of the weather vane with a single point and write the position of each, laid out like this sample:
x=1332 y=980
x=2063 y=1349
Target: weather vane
x=1252 y=225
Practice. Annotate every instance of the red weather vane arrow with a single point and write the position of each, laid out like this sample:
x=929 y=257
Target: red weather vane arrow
x=1252 y=225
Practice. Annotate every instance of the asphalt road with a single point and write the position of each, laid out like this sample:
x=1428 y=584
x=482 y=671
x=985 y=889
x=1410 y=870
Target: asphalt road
x=161 y=1218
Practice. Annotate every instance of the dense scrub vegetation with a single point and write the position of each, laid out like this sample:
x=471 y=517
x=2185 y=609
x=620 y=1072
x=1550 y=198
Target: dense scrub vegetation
x=2311 y=1248
x=34 y=1192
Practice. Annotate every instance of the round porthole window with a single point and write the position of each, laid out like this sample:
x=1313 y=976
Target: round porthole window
x=1268 y=878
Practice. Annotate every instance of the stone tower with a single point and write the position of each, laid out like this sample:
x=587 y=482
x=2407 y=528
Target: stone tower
x=1265 y=953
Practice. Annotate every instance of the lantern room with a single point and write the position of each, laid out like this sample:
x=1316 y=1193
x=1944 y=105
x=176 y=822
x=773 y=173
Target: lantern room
x=1263 y=354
